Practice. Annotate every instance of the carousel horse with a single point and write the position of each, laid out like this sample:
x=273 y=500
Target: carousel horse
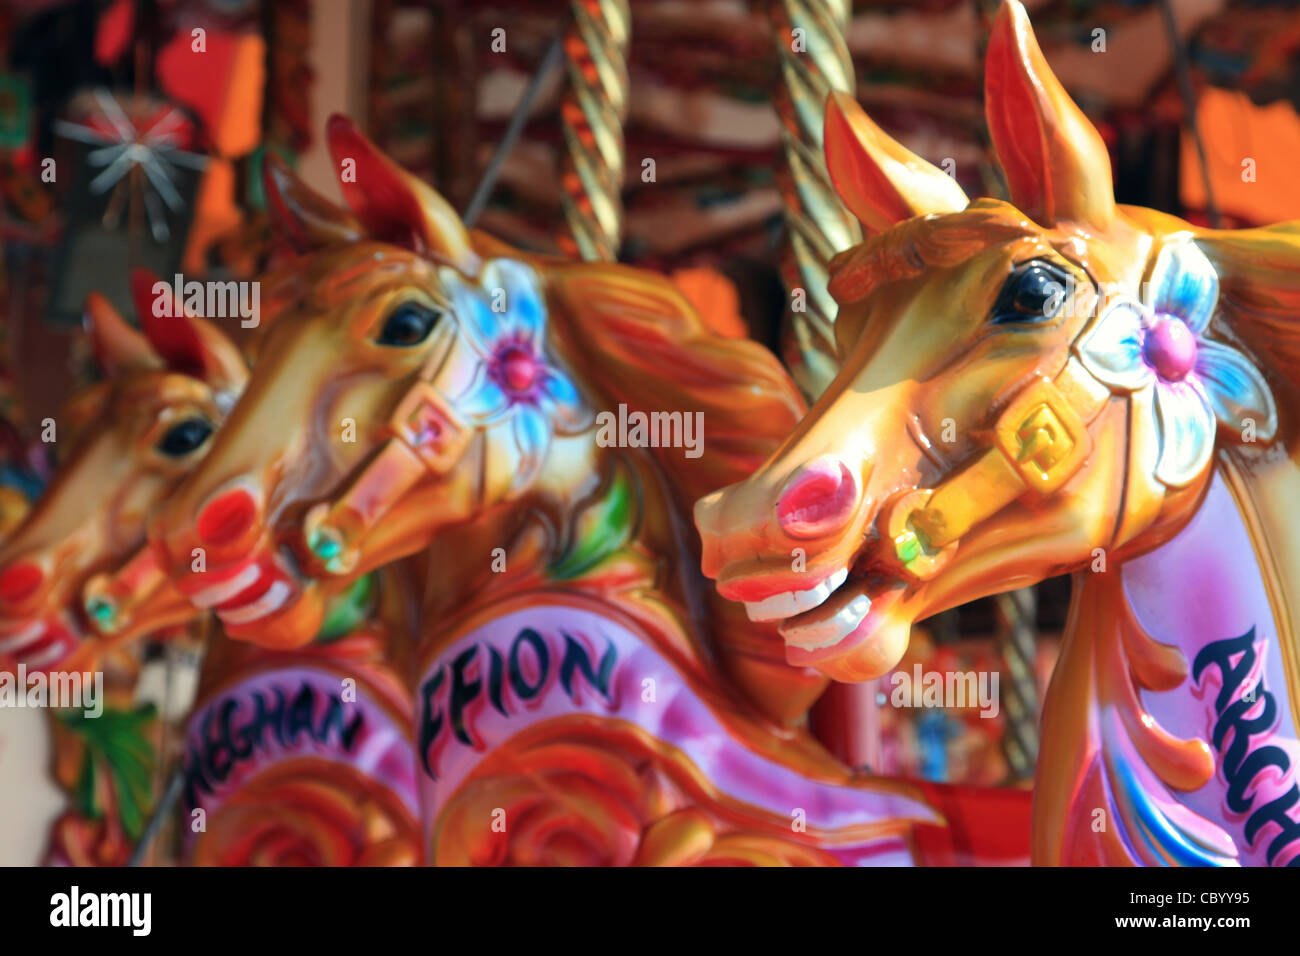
x=296 y=793
x=1056 y=384
x=581 y=697
x=125 y=441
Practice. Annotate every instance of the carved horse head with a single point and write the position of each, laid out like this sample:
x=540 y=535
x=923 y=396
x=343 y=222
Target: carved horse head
x=124 y=443
x=424 y=385
x=1023 y=386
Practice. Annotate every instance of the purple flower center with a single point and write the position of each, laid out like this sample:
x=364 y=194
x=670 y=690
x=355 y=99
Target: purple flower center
x=1169 y=347
x=517 y=370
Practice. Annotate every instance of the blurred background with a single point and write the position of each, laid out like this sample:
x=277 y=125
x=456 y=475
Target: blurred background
x=1197 y=100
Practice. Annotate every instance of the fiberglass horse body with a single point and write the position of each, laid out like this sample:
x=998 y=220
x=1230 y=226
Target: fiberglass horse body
x=581 y=697
x=304 y=779
x=1057 y=385
x=124 y=442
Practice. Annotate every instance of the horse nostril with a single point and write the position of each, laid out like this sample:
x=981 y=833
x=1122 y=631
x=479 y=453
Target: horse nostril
x=20 y=581
x=227 y=518
x=819 y=499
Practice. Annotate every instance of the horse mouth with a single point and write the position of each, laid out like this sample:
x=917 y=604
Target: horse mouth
x=250 y=592
x=841 y=611
x=41 y=643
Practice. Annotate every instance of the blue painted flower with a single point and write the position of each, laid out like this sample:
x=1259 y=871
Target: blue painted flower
x=503 y=318
x=1160 y=346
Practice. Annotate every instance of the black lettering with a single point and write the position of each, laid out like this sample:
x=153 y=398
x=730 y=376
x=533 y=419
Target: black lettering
x=264 y=717
x=1234 y=719
x=300 y=714
x=463 y=691
x=1275 y=811
x=1250 y=768
x=496 y=668
x=1241 y=765
x=575 y=658
x=228 y=734
x=517 y=680
x=1220 y=652
x=334 y=718
x=430 y=722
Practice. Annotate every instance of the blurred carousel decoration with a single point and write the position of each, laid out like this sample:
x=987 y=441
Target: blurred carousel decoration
x=135 y=166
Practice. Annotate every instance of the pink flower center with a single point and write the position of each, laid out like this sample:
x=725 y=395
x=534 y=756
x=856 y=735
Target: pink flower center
x=1170 y=348
x=519 y=370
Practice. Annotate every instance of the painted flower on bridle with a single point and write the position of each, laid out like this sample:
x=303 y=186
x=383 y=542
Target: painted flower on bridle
x=503 y=318
x=1159 y=347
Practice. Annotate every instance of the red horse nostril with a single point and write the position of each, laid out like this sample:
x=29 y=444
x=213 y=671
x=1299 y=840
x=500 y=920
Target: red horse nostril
x=819 y=500
x=227 y=518
x=20 y=581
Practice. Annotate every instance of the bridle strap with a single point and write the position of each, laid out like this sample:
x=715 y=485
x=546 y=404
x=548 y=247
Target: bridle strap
x=1039 y=442
x=426 y=437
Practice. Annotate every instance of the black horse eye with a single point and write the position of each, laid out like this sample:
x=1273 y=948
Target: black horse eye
x=183 y=437
x=1034 y=292
x=408 y=324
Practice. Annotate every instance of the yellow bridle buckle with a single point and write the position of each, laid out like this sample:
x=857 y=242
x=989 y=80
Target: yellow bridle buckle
x=1043 y=440
x=1043 y=437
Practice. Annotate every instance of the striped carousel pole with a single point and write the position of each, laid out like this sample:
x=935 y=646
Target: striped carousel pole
x=814 y=58
x=592 y=112
x=1017 y=640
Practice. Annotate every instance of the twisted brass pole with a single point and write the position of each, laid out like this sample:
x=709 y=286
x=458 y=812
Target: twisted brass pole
x=814 y=59
x=1017 y=643
x=592 y=113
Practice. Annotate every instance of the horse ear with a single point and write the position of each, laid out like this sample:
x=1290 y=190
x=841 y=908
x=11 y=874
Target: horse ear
x=302 y=216
x=187 y=343
x=1055 y=162
x=393 y=205
x=878 y=178
x=116 y=345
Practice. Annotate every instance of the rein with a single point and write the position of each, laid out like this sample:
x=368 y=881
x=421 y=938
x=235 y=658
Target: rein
x=1039 y=442
x=426 y=436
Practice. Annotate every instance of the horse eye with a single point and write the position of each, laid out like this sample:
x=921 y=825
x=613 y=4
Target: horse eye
x=183 y=437
x=1034 y=292
x=408 y=324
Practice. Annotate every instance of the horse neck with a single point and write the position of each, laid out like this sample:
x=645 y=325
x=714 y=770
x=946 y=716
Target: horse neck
x=1152 y=749
x=625 y=544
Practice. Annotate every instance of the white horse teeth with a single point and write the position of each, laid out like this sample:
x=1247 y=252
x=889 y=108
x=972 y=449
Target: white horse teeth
x=832 y=630
x=272 y=600
x=220 y=593
x=28 y=635
x=789 y=603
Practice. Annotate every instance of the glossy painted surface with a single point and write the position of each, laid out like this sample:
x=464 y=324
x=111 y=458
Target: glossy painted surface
x=426 y=389
x=302 y=758
x=116 y=464
x=995 y=434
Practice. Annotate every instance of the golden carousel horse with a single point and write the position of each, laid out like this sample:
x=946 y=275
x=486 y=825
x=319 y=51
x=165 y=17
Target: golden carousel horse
x=531 y=425
x=124 y=442
x=1056 y=384
x=79 y=594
